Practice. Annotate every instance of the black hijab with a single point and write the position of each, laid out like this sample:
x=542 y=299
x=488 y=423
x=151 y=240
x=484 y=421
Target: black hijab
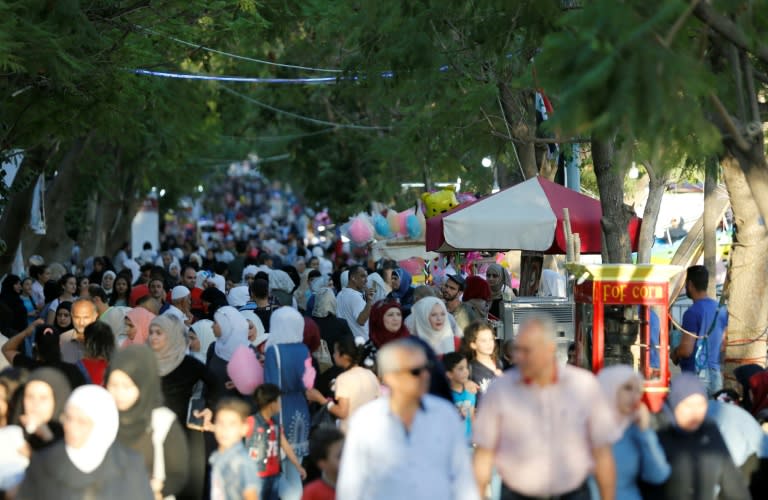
x=139 y=363
x=62 y=305
x=13 y=300
x=61 y=389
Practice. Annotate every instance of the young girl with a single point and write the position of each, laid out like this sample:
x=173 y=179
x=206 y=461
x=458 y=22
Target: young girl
x=355 y=387
x=479 y=345
x=121 y=292
x=26 y=297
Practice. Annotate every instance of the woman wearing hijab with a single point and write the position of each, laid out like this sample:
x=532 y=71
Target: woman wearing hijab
x=477 y=298
x=137 y=322
x=63 y=320
x=200 y=339
x=88 y=463
x=43 y=400
x=146 y=426
x=10 y=296
x=432 y=325
x=108 y=283
x=284 y=366
x=386 y=323
x=281 y=287
x=402 y=291
x=500 y=284
x=231 y=331
x=702 y=467
x=178 y=372
x=637 y=453
x=324 y=314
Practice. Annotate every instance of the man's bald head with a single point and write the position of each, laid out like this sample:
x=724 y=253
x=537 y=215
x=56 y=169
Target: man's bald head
x=84 y=313
x=535 y=347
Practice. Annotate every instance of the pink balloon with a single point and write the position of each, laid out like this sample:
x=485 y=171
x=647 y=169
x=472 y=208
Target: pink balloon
x=245 y=371
x=360 y=231
x=414 y=266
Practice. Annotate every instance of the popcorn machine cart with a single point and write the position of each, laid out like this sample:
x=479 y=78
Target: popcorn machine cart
x=614 y=318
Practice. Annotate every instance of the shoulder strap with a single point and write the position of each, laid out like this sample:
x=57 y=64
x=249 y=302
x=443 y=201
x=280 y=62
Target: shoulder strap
x=162 y=420
x=81 y=366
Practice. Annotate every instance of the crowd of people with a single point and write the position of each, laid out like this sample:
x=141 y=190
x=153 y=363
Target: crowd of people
x=243 y=370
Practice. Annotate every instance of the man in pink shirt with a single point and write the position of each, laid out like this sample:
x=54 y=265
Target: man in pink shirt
x=546 y=428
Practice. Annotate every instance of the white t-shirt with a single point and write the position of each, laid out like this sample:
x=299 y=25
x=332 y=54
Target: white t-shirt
x=358 y=385
x=349 y=304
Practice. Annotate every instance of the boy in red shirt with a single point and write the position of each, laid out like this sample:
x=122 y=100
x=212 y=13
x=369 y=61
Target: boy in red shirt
x=325 y=450
x=264 y=440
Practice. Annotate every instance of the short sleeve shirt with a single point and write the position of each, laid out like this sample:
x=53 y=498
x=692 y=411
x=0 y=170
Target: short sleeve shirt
x=543 y=437
x=349 y=304
x=232 y=473
x=360 y=386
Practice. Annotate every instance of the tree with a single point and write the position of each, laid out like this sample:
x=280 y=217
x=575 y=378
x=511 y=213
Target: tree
x=678 y=76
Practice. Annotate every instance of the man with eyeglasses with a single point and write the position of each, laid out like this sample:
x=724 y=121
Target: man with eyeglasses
x=409 y=444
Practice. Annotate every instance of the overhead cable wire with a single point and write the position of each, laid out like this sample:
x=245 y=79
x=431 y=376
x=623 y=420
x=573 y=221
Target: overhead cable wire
x=237 y=56
x=301 y=117
x=327 y=80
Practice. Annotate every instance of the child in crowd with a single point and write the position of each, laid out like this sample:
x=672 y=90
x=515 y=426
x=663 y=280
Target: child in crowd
x=264 y=438
x=479 y=346
x=457 y=371
x=325 y=450
x=233 y=474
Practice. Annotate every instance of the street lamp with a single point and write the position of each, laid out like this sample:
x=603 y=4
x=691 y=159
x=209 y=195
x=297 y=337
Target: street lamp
x=488 y=162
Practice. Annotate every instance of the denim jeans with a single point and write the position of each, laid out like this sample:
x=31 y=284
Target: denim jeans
x=269 y=488
x=290 y=482
x=712 y=379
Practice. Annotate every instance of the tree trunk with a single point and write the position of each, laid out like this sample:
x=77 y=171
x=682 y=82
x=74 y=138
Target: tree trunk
x=55 y=245
x=711 y=219
x=748 y=274
x=15 y=216
x=657 y=183
x=616 y=214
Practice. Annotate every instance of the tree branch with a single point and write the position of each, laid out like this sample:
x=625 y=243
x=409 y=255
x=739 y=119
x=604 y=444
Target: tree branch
x=728 y=29
x=679 y=24
x=729 y=124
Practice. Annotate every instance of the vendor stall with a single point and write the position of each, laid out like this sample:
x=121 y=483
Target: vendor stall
x=615 y=322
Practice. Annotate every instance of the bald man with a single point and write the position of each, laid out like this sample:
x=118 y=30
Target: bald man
x=545 y=427
x=72 y=342
x=408 y=444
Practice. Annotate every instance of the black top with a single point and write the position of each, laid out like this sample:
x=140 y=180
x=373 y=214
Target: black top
x=176 y=457
x=700 y=462
x=51 y=474
x=482 y=375
x=332 y=329
x=178 y=386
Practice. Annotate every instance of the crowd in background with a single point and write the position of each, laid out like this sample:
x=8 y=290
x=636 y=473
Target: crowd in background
x=246 y=364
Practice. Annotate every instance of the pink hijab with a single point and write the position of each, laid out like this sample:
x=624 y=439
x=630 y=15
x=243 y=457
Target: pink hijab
x=141 y=318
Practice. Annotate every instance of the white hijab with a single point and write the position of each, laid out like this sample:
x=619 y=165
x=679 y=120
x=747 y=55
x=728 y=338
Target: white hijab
x=287 y=327
x=234 y=332
x=204 y=331
x=95 y=402
x=611 y=378
x=380 y=289
x=437 y=339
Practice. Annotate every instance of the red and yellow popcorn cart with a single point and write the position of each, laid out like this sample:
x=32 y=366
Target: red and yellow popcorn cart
x=621 y=318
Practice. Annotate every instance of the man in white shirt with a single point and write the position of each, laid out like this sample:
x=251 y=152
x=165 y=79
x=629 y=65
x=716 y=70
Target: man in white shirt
x=354 y=302
x=409 y=444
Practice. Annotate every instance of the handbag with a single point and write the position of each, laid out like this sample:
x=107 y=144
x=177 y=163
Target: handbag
x=322 y=419
x=323 y=357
